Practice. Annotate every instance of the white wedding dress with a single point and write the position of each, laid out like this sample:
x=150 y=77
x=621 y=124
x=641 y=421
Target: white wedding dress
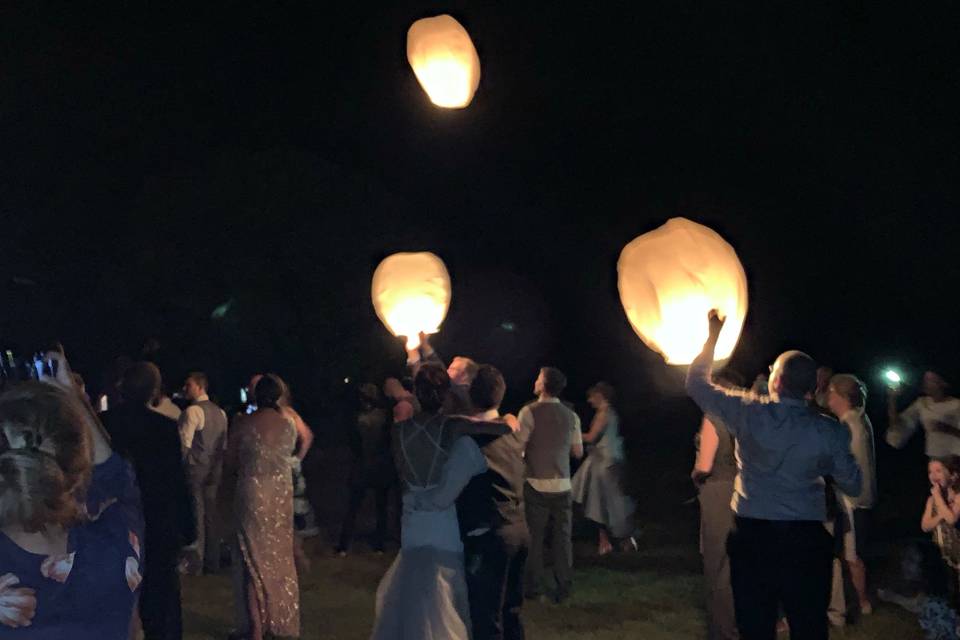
x=423 y=595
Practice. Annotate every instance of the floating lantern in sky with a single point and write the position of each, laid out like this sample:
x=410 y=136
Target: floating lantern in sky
x=411 y=293
x=444 y=60
x=671 y=277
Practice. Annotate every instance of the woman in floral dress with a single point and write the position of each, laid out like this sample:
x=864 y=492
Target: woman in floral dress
x=70 y=519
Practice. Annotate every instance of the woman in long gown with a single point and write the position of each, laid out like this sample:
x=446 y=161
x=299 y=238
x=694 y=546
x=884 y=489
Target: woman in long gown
x=267 y=592
x=596 y=484
x=423 y=596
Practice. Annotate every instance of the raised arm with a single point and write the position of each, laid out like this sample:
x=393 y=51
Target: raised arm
x=901 y=426
x=421 y=355
x=728 y=405
x=64 y=379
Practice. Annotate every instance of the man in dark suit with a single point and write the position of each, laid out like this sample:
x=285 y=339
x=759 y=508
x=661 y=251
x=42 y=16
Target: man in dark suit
x=493 y=525
x=152 y=443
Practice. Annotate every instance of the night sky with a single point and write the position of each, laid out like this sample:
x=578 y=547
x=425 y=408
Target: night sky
x=159 y=165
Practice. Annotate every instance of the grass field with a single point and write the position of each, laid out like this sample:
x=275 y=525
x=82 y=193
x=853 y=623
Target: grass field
x=654 y=594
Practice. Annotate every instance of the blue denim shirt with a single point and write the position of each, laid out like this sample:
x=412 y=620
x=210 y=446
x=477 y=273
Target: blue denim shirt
x=784 y=449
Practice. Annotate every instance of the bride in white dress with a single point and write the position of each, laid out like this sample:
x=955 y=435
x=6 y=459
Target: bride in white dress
x=423 y=595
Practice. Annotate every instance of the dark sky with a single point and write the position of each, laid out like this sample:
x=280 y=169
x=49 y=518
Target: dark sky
x=160 y=162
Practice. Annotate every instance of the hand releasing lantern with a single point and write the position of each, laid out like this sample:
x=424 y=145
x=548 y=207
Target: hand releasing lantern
x=444 y=60
x=671 y=277
x=411 y=293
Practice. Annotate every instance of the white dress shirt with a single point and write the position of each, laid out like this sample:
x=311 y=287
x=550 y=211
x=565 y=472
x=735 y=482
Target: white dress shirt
x=924 y=411
x=191 y=421
x=784 y=449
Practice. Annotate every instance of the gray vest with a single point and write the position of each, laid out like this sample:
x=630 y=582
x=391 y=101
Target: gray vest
x=209 y=443
x=548 y=449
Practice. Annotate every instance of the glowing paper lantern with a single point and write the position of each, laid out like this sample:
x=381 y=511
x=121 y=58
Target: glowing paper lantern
x=444 y=60
x=411 y=293
x=671 y=277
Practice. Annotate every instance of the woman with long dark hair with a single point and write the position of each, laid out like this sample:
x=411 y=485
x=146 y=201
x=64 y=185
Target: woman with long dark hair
x=268 y=595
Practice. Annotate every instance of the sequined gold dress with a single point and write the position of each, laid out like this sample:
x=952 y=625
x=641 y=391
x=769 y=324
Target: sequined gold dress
x=268 y=599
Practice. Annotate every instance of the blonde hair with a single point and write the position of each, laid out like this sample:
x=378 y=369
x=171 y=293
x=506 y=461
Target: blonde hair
x=39 y=488
x=851 y=388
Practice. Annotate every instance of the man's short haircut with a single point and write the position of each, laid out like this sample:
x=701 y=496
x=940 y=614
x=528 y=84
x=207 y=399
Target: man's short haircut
x=200 y=378
x=798 y=374
x=554 y=382
x=488 y=388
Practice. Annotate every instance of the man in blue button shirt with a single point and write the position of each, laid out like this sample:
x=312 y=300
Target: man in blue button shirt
x=780 y=552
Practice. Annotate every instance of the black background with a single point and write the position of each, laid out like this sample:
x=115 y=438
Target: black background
x=159 y=162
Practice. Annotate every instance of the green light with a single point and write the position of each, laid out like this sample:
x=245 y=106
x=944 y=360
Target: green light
x=892 y=376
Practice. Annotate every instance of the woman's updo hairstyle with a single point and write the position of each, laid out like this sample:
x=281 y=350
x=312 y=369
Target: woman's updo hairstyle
x=45 y=463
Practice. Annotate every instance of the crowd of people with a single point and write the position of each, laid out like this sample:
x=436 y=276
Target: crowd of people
x=787 y=477
x=481 y=492
x=112 y=500
x=134 y=480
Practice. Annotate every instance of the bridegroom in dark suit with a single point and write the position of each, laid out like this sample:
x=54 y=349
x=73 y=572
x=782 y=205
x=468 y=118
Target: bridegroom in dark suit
x=491 y=514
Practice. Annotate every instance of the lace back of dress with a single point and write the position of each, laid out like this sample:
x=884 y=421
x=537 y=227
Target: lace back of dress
x=423 y=451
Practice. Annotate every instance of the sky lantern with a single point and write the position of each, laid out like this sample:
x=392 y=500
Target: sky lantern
x=671 y=277
x=444 y=60
x=411 y=293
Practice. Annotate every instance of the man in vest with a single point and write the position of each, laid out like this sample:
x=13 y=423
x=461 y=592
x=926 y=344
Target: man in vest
x=203 y=434
x=551 y=432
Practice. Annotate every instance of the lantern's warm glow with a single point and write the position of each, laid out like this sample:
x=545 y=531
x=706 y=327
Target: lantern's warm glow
x=671 y=277
x=411 y=293
x=444 y=60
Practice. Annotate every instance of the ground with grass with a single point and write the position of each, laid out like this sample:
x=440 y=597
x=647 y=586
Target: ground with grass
x=654 y=594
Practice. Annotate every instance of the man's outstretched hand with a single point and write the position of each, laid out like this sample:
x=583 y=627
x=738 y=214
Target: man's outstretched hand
x=716 y=323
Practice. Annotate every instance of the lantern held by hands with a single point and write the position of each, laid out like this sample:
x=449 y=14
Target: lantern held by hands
x=444 y=60
x=411 y=293
x=670 y=278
